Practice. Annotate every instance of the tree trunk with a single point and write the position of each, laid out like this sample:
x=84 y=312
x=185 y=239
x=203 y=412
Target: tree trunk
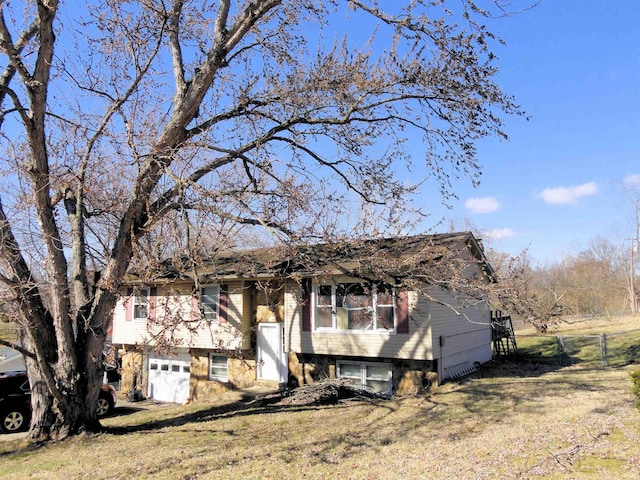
x=42 y=416
x=54 y=420
x=74 y=411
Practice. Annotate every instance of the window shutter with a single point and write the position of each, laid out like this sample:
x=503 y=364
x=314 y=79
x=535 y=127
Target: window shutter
x=128 y=305
x=402 y=312
x=195 y=306
x=306 y=305
x=153 y=292
x=223 y=301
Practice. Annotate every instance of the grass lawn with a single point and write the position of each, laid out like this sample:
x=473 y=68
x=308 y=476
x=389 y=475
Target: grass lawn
x=621 y=335
x=524 y=419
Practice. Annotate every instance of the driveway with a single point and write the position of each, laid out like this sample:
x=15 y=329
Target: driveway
x=124 y=407
x=8 y=437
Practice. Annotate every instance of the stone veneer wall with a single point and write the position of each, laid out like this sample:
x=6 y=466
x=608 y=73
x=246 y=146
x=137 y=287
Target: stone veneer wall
x=410 y=377
x=132 y=375
x=307 y=369
x=241 y=374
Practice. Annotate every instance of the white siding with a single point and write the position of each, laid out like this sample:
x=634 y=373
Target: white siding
x=174 y=315
x=127 y=332
x=463 y=324
x=414 y=345
x=292 y=317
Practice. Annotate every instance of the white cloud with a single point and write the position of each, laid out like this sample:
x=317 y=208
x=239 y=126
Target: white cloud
x=568 y=195
x=482 y=205
x=632 y=181
x=498 y=234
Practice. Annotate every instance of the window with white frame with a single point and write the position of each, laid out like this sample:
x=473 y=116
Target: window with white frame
x=354 y=307
x=373 y=377
x=209 y=301
x=141 y=304
x=218 y=367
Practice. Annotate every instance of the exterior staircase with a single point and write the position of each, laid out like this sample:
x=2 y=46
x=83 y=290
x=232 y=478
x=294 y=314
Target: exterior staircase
x=504 y=339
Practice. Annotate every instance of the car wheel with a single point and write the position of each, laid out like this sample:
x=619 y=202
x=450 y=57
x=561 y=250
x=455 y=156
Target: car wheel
x=14 y=420
x=104 y=406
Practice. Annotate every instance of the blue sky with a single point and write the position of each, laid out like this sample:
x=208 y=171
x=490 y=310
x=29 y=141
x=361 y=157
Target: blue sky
x=574 y=66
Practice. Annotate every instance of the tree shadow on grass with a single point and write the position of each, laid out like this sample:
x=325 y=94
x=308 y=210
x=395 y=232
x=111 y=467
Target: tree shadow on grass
x=238 y=408
x=497 y=392
x=505 y=380
x=124 y=410
x=501 y=389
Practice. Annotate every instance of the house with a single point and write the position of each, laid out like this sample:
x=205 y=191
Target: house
x=392 y=315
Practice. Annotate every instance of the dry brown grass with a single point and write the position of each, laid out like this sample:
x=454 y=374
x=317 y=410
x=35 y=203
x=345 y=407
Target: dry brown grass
x=508 y=422
x=511 y=420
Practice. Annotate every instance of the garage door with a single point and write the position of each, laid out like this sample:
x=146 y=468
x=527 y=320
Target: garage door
x=169 y=378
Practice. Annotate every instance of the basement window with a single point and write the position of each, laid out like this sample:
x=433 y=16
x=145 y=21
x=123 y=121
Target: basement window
x=218 y=367
x=373 y=377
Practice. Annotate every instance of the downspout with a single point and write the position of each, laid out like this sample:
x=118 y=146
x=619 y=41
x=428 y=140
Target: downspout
x=441 y=365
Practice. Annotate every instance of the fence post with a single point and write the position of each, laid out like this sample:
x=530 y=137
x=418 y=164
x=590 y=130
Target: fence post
x=603 y=349
x=559 y=344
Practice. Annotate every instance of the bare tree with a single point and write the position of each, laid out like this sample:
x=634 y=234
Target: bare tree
x=120 y=118
x=532 y=293
x=631 y=188
x=591 y=282
x=596 y=279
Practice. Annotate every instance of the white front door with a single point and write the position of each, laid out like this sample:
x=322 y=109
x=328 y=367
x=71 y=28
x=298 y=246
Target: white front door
x=169 y=378
x=272 y=363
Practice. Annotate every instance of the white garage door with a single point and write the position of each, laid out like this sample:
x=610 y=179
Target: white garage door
x=169 y=378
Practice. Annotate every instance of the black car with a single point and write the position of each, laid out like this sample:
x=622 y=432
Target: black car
x=15 y=401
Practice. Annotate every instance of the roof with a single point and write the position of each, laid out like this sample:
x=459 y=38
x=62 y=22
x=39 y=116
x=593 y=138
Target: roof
x=386 y=257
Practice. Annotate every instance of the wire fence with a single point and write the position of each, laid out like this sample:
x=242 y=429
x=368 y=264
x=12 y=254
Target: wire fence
x=609 y=350
x=582 y=348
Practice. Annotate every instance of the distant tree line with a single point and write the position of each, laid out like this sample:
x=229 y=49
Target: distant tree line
x=592 y=282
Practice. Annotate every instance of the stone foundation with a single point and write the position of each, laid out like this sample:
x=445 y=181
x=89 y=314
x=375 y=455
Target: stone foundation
x=304 y=370
x=410 y=377
x=132 y=374
x=241 y=374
